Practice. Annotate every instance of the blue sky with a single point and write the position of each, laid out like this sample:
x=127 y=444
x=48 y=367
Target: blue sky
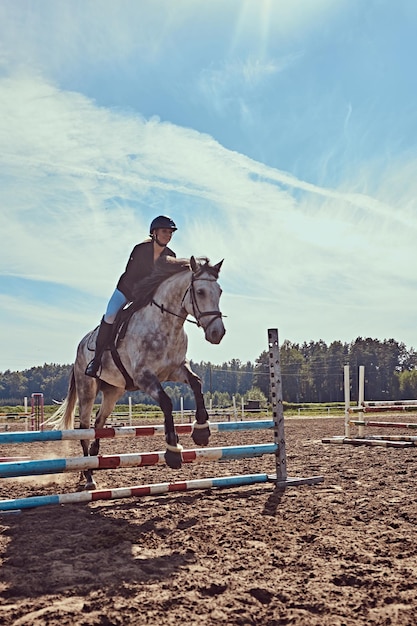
x=279 y=135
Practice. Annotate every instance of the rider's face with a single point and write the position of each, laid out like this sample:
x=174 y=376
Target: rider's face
x=163 y=235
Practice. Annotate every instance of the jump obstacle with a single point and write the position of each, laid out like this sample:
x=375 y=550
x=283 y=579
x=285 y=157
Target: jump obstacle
x=33 y=420
x=375 y=406
x=52 y=466
x=37 y=414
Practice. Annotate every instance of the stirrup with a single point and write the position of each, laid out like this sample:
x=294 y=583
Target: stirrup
x=93 y=368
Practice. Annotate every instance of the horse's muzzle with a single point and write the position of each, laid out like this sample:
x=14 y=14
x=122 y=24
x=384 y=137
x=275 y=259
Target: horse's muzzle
x=215 y=331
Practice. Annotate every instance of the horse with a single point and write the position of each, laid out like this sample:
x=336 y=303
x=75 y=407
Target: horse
x=150 y=349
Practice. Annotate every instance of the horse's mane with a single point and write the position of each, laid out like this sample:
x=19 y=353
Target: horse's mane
x=164 y=267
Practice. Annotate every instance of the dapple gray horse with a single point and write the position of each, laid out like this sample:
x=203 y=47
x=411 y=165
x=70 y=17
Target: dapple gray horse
x=152 y=349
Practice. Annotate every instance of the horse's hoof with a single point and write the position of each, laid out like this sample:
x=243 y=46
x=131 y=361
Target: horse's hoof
x=173 y=459
x=90 y=486
x=201 y=435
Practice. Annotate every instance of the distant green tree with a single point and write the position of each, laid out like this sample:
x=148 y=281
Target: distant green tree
x=311 y=372
x=261 y=374
x=221 y=400
x=292 y=370
x=254 y=393
x=407 y=384
x=337 y=358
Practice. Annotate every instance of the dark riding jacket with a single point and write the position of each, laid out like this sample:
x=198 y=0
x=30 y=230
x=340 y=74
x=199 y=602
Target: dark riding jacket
x=139 y=265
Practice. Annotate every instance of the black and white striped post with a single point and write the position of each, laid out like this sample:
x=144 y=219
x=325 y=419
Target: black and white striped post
x=275 y=382
x=275 y=377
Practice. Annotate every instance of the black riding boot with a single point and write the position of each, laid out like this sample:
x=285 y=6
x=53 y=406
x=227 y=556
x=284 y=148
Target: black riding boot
x=103 y=337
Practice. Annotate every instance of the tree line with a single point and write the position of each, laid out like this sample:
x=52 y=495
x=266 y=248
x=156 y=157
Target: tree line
x=311 y=372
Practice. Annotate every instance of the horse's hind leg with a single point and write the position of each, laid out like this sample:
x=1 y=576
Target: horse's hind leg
x=201 y=429
x=87 y=391
x=110 y=396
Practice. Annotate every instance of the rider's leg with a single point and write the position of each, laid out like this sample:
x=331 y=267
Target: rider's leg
x=103 y=337
x=117 y=301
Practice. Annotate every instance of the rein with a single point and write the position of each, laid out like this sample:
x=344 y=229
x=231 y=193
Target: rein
x=164 y=310
x=196 y=311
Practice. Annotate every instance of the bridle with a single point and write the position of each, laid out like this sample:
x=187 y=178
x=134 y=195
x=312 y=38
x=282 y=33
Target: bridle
x=197 y=313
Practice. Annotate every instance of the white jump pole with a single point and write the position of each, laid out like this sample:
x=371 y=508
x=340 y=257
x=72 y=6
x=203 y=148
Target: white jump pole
x=130 y=410
x=361 y=398
x=234 y=408
x=347 y=399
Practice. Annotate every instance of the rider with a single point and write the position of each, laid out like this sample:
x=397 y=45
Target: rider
x=139 y=265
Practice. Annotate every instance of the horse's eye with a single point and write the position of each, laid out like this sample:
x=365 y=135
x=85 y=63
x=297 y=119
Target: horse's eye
x=200 y=292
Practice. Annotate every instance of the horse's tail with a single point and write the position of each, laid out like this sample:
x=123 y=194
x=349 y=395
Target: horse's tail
x=63 y=418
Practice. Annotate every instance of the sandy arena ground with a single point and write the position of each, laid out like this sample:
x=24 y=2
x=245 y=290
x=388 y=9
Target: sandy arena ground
x=340 y=553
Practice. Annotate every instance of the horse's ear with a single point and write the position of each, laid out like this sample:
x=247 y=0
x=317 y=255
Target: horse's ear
x=194 y=264
x=218 y=266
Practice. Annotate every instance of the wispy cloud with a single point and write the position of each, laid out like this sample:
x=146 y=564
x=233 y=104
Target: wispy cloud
x=80 y=177
x=231 y=86
x=302 y=179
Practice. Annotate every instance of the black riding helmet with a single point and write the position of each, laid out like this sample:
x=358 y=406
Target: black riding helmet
x=162 y=221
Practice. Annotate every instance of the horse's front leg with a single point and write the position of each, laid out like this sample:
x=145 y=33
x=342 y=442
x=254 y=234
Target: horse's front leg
x=172 y=455
x=151 y=385
x=201 y=427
